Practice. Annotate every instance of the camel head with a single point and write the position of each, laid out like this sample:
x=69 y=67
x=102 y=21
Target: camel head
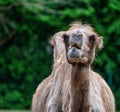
x=80 y=43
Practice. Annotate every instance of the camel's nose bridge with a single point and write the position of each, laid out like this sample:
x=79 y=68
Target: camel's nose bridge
x=76 y=39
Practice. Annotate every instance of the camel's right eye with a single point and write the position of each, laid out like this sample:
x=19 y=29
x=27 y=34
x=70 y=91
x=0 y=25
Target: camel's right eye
x=65 y=38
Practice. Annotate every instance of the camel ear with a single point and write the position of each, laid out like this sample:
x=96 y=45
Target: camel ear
x=57 y=42
x=99 y=44
x=52 y=40
x=56 y=38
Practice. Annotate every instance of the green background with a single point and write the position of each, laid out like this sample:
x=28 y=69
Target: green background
x=26 y=56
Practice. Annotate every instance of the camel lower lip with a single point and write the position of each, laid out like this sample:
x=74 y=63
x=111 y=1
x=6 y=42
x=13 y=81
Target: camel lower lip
x=74 y=52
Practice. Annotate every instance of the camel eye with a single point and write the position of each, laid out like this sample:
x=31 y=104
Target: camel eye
x=92 y=38
x=65 y=37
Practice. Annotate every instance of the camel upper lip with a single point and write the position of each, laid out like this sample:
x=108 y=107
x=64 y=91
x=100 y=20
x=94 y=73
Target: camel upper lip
x=74 y=46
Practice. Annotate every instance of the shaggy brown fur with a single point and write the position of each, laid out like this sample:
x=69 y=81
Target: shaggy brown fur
x=72 y=85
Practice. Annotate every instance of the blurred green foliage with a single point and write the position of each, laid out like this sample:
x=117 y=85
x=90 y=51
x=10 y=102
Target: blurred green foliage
x=25 y=55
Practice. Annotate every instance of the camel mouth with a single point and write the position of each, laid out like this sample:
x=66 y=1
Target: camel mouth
x=75 y=46
x=74 y=52
x=76 y=55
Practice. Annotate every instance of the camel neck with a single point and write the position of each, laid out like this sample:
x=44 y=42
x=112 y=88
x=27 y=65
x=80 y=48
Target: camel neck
x=80 y=88
x=79 y=73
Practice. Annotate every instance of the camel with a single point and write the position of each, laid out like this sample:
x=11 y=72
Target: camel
x=73 y=86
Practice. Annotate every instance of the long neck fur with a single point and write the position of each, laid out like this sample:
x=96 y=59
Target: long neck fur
x=80 y=88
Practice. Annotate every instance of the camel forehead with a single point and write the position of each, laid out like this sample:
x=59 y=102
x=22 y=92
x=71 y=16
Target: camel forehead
x=79 y=31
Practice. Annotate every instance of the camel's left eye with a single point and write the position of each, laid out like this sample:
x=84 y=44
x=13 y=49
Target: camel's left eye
x=92 y=38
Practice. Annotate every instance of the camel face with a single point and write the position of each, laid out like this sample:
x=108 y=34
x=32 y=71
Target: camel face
x=80 y=44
